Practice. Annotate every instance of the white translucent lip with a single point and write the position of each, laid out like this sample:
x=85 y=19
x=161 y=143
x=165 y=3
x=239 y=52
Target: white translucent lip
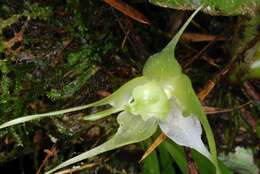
x=185 y=131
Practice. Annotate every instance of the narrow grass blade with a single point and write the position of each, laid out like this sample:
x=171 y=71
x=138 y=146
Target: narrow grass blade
x=177 y=153
x=205 y=166
x=166 y=161
x=151 y=164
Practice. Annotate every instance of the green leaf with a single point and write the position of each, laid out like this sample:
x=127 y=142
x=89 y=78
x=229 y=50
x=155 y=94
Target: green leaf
x=214 y=7
x=151 y=163
x=241 y=161
x=132 y=129
x=166 y=161
x=205 y=166
x=178 y=154
x=1 y=44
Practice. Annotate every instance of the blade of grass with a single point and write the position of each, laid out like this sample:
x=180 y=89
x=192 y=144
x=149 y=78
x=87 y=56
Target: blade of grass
x=205 y=166
x=166 y=161
x=151 y=163
x=178 y=155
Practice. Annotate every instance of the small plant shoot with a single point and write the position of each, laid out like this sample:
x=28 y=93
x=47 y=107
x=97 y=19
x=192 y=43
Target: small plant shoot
x=163 y=97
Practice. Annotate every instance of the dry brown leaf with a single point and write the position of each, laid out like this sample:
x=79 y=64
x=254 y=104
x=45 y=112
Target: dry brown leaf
x=198 y=37
x=153 y=146
x=128 y=10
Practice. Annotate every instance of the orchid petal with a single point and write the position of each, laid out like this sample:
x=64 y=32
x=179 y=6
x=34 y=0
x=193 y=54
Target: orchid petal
x=185 y=131
x=132 y=129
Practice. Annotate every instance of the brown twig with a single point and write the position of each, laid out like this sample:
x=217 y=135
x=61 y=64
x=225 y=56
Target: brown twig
x=198 y=37
x=213 y=110
x=210 y=60
x=207 y=89
x=191 y=165
x=125 y=38
x=49 y=153
x=82 y=167
x=248 y=118
x=155 y=144
x=134 y=40
x=192 y=59
x=251 y=92
x=212 y=82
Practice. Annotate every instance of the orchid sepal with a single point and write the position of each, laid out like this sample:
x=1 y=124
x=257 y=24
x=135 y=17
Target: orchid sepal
x=132 y=129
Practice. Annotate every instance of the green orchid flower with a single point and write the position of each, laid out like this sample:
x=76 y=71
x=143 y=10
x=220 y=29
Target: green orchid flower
x=162 y=97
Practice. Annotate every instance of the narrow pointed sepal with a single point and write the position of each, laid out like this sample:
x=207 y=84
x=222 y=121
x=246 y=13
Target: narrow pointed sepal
x=101 y=114
x=39 y=116
x=117 y=100
x=163 y=65
x=132 y=129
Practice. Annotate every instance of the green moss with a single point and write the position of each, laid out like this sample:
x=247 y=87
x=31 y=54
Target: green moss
x=81 y=65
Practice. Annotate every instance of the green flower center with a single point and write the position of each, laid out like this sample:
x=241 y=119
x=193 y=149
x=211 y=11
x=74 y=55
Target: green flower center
x=149 y=100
